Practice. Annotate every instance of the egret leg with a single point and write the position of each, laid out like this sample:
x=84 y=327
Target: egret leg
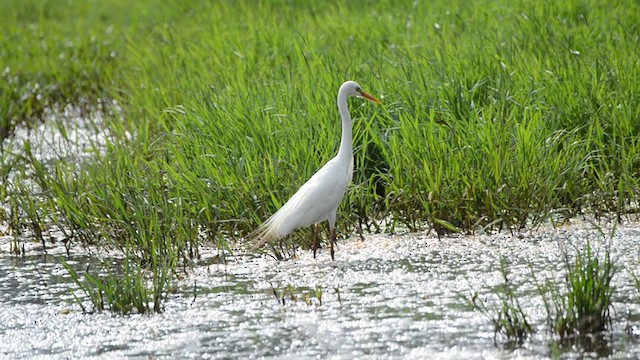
x=332 y=239
x=332 y=230
x=315 y=240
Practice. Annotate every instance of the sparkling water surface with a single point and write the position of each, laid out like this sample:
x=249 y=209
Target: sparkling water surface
x=389 y=296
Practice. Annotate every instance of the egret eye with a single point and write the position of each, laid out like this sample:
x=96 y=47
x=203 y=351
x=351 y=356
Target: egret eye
x=358 y=90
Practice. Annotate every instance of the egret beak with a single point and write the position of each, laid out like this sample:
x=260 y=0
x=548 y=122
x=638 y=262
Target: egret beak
x=370 y=97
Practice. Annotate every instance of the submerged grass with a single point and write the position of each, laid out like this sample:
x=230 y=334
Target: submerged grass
x=227 y=107
x=293 y=295
x=578 y=306
x=581 y=305
x=509 y=320
x=138 y=289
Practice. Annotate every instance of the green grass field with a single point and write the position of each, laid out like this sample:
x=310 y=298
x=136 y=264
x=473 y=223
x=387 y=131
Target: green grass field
x=231 y=107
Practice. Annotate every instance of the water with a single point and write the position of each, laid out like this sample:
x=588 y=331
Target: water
x=66 y=134
x=387 y=297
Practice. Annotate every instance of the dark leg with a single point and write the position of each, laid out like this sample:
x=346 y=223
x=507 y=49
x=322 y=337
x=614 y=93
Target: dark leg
x=332 y=239
x=315 y=240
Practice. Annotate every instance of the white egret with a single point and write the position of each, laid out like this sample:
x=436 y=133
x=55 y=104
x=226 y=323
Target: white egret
x=318 y=199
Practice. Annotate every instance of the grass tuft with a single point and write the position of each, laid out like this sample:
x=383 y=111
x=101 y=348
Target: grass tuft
x=133 y=289
x=509 y=320
x=582 y=305
x=294 y=295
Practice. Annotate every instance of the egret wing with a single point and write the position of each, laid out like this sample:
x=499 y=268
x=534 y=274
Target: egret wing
x=312 y=203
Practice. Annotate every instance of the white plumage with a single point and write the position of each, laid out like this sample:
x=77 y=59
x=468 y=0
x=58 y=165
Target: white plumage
x=318 y=199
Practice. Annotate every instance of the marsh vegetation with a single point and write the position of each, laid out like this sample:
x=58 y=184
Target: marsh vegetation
x=497 y=117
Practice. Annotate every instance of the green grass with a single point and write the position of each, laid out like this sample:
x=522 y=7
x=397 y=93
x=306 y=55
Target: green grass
x=136 y=289
x=75 y=51
x=581 y=304
x=227 y=107
x=290 y=294
x=578 y=307
x=508 y=319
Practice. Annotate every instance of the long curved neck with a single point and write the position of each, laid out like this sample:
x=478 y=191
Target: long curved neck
x=346 y=145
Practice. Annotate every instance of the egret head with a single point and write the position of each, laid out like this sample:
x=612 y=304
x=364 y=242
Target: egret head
x=351 y=88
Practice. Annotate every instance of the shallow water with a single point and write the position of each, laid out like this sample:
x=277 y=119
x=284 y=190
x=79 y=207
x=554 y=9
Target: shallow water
x=387 y=297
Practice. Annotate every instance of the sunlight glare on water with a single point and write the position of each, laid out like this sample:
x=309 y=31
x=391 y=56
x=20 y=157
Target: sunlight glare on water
x=403 y=296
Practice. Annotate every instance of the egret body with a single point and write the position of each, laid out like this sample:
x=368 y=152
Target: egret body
x=318 y=199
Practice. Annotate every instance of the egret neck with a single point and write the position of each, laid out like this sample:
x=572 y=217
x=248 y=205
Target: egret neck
x=346 y=146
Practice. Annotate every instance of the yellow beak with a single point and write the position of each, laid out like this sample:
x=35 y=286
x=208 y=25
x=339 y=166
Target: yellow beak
x=370 y=97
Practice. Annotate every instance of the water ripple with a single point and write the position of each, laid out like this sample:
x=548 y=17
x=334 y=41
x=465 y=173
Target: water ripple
x=397 y=296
